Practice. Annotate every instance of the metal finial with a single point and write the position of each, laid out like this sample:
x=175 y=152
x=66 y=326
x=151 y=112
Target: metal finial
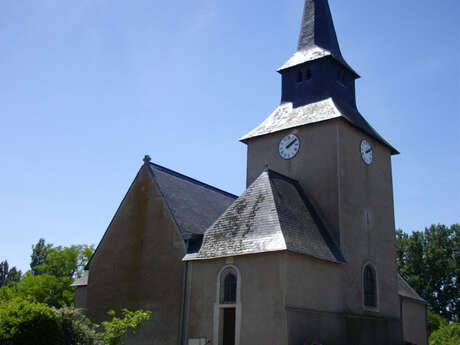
x=266 y=165
x=146 y=159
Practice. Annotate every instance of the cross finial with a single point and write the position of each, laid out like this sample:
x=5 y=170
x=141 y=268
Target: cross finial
x=146 y=159
x=266 y=165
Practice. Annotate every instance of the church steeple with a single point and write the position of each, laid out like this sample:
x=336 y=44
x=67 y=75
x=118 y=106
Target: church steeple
x=317 y=36
x=317 y=82
x=317 y=70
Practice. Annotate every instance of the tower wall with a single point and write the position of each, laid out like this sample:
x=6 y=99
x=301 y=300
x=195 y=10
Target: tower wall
x=366 y=221
x=315 y=166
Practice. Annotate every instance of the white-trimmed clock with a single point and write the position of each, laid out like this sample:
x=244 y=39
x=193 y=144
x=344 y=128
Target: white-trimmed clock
x=367 y=153
x=289 y=146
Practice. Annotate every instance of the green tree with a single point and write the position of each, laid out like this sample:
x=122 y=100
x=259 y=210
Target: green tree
x=430 y=261
x=39 y=253
x=447 y=335
x=53 y=269
x=8 y=276
x=435 y=321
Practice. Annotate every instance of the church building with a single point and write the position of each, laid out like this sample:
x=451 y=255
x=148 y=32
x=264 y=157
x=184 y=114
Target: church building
x=306 y=253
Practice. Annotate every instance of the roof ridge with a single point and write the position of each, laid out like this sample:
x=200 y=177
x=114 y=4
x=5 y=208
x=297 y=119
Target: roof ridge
x=192 y=180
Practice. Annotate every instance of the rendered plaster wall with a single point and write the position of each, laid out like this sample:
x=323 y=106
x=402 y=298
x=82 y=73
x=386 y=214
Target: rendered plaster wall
x=339 y=329
x=314 y=300
x=366 y=218
x=263 y=315
x=414 y=322
x=81 y=299
x=138 y=264
x=314 y=166
x=356 y=202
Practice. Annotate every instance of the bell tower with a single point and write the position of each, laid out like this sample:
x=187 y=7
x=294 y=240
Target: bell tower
x=318 y=137
x=317 y=70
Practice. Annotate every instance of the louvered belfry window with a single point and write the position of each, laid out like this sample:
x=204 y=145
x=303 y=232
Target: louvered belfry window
x=228 y=287
x=370 y=287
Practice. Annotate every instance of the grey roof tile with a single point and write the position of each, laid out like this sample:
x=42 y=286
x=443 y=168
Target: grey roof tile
x=273 y=214
x=193 y=204
x=406 y=291
x=83 y=281
x=286 y=116
x=317 y=36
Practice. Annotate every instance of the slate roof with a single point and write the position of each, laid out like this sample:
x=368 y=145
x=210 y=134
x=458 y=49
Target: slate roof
x=83 y=281
x=406 y=291
x=317 y=36
x=273 y=214
x=286 y=116
x=193 y=204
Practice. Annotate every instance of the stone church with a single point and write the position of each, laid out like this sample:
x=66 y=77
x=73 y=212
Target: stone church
x=306 y=253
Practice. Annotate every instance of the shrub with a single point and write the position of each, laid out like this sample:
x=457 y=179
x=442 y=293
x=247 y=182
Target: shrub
x=24 y=322
x=116 y=329
x=447 y=335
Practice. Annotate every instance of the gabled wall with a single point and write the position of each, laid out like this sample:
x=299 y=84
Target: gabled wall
x=138 y=264
x=414 y=321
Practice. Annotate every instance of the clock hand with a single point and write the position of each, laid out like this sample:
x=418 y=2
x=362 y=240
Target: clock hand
x=369 y=150
x=291 y=143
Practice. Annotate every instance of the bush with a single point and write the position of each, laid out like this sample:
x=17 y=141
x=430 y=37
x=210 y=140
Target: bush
x=435 y=321
x=24 y=322
x=115 y=330
x=447 y=335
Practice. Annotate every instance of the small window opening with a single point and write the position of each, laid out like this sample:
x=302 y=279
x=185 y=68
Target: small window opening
x=370 y=287
x=299 y=76
x=308 y=74
x=228 y=287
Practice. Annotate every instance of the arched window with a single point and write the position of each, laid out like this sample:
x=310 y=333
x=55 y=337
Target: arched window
x=370 y=287
x=228 y=286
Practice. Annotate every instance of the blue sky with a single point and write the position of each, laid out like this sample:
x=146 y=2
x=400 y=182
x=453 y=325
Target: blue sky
x=88 y=87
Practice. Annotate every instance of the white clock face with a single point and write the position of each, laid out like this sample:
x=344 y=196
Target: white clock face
x=289 y=146
x=367 y=153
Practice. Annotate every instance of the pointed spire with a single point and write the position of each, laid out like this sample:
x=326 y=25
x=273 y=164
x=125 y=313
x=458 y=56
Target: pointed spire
x=318 y=28
x=317 y=37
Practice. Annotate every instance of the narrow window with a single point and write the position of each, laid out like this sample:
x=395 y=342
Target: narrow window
x=370 y=287
x=299 y=76
x=230 y=289
x=228 y=284
x=308 y=74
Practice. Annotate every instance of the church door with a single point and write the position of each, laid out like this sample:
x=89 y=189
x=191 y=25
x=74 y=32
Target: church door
x=229 y=326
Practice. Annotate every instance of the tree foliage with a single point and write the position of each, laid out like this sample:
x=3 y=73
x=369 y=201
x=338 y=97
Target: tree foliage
x=8 y=276
x=39 y=253
x=435 y=321
x=115 y=330
x=430 y=261
x=53 y=269
x=24 y=322
x=446 y=335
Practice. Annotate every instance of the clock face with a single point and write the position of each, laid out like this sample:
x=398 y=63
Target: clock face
x=289 y=146
x=367 y=153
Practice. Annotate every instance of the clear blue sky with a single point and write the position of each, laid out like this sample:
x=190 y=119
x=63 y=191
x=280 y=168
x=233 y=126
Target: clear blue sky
x=88 y=87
